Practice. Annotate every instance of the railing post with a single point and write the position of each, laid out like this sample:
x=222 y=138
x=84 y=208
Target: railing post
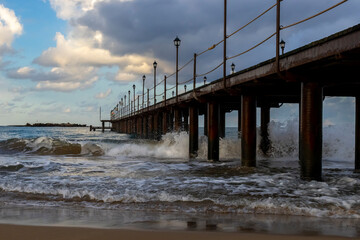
x=194 y=84
x=148 y=99
x=164 y=90
x=224 y=70
x=277 y=35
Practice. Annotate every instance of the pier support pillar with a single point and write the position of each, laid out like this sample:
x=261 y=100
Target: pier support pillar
x=194 y=131
x=248 y=128
x=156 y=126
x=222 y=122
x=146 y=126
x=151 y=126
x=239 y=122
x=213 y=114
x=177 y=119
x=103 y=126
x=186 y=120
x=357 y=134
x=265 y=143
x=164 y=122
x=310 y=139
x=205 y=123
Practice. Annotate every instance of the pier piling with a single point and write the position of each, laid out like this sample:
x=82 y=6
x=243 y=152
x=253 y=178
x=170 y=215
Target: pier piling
x=248 y=128
x=310 y=134
x=194 y=131
x=213 y=113
x=357 y=134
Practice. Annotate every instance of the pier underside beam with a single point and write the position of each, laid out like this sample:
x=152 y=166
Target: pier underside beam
x=213 y=115
x=310 y=139
x=194 y=131
x=357 y=134
x=248 y=128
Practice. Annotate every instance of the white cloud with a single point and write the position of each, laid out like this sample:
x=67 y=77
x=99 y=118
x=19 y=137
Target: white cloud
x=65 y=86
x=10 y=27
x=103 y=95
x=67 y=110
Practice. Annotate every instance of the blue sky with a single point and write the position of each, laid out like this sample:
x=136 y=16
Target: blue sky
x=61 y=60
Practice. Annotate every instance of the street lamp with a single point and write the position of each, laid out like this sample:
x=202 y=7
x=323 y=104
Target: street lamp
x=155 y=65
x=232 y=68
x=205 y=78
x=177 y=42
x=282 y=45
x=143 y=78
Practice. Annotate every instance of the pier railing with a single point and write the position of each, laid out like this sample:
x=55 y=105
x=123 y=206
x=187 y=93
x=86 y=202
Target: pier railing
x=132 y=105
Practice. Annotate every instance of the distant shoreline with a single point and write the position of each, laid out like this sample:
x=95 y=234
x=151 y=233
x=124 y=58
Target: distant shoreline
x=50 y=125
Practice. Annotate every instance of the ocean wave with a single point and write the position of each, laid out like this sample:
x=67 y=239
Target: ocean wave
x=48 y=146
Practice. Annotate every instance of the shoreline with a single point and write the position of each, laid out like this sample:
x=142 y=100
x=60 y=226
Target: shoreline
x=19 y=232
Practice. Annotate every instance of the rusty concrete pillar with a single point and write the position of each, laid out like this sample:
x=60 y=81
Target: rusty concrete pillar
x=213 y=112
x=171 y=121
x=185 y=114
x=177 y=116
x=239 y=122
x=194 y=131
x=165 y=122
x=310 y=138
x=205 y=124
x=248 y=128
x=222 y=122
x=357 y=134
x=145 y=126
x=156 y=126
x=265 y=143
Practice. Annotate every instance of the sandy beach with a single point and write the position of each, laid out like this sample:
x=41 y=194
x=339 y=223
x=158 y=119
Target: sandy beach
x=18 y=232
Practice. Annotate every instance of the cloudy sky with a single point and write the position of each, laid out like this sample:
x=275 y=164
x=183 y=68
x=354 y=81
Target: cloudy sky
x=61 y=60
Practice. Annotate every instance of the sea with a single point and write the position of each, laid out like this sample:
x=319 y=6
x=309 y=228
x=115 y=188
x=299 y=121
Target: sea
x=63 y=176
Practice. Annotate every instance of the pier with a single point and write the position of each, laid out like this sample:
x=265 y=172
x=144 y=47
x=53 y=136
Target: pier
x=327 y=67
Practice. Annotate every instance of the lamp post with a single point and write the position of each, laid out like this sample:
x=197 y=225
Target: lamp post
x=155 y=65
x=129 y=102
x=134 y=96
x=232 y=68
x=282 y=45
x=125 y=102
x=205 y=78
x=177 y=42
x=143 y=78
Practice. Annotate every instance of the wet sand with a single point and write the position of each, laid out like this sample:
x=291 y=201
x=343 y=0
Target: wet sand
x=19 y=232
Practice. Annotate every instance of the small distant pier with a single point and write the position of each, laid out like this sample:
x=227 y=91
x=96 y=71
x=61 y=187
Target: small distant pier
x=328 y=67
x=103 y=128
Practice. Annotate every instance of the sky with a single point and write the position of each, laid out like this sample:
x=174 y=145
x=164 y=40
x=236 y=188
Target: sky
x=61 y=60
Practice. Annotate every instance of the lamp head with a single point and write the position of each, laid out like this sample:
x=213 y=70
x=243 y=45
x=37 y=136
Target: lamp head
x=177 y=41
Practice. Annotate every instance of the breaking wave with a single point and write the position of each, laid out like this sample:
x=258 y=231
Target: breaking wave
x=48 y=146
